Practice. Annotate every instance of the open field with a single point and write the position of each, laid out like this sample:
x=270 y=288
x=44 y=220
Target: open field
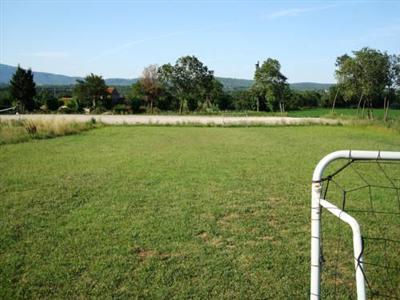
x=165 y=212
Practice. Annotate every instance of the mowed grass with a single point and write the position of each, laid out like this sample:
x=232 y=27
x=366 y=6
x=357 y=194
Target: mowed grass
x=377 y=113
x=164 y=212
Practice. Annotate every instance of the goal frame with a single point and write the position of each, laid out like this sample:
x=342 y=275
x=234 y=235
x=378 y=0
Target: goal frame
x=317 y=203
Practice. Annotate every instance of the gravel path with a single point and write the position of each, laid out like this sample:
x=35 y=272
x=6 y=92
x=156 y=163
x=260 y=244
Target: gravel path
x=177 y=120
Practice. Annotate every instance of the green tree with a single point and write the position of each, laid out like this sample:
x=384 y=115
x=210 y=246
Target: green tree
x=5 y=98
x=375 y=74
x=366 y=73
x=189 y=80
x=243 y=100
x=393 y=83
x=348 y=74
x=270 y=85
x=48 y=98
x=333 y=97
x=136 y=97
x=23 y=88
x=91 y=91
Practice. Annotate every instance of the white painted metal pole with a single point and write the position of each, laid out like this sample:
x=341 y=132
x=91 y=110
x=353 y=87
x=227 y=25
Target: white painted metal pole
x=315 y=241
x=316 y=211
x=357 y=245
x=352 y=154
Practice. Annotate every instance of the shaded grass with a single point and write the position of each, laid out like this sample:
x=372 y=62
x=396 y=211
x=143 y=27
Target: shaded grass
x=164 y=212
x=342 y=113
x=23 y=130
x=378 y=113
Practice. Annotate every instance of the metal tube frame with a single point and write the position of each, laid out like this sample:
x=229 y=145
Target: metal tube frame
x=317 y=203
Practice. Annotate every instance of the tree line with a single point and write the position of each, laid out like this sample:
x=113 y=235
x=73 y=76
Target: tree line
x=366 y=79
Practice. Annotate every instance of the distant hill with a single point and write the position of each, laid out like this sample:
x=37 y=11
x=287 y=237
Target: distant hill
x=43 y=78
x=309 y=86
x=120 y=81
x=234 y=83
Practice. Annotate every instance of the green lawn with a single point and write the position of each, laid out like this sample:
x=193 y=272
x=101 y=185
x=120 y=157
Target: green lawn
x=377 y=113
x=342 y=112
x=164 y=212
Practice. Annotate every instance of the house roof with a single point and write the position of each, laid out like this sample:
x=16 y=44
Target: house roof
x=110 y=90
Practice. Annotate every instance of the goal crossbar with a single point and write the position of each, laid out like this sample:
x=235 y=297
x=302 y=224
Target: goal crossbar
x=317 y=203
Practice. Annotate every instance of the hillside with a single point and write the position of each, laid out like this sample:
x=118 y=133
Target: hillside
x=43 y=78
x=234 y=83
x=309 y=86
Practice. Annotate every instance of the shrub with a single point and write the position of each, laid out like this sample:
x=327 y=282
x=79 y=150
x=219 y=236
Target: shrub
x=64 y=109
x=121 y=109
x=98 y=110
x=73 y=105
x=52 y=103
x=136 y=104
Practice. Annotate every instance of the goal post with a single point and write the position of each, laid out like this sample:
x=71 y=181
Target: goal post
x=318 y=203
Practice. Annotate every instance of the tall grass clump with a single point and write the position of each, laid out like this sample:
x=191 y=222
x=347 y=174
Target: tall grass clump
x=16 y=131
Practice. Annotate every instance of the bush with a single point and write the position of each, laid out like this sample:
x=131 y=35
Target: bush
x=192 y=103
x=64 y=109
x=5 y=98
x=225 y=102
x=52 y=103
x=243 y=100
x=395 y=106
x=73 y=105
x=121 y=109
x=136 y=105
x=155 y=111
x=98 y=110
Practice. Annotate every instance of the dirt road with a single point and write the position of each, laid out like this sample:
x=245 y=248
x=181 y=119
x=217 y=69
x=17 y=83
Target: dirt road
x=177 y=120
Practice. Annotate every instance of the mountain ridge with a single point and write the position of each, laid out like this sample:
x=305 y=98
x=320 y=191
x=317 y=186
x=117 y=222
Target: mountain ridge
x=45 y=78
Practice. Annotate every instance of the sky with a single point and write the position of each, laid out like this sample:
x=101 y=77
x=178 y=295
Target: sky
x=119 y=38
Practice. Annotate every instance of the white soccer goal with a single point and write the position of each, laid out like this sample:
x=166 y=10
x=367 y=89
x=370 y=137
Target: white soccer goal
x=355 y=226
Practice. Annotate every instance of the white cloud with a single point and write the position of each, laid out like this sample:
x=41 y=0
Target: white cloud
x=294 y=12
x=127 y=45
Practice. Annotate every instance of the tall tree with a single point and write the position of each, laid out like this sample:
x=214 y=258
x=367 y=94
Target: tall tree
x=188 y=80
x=270 y=84
x=211 y=91
x=23 y=88
x=348 y=75
x=393 y=82
x=91 y=91
x=366 y=74
x=151 y=85
x=375 y=74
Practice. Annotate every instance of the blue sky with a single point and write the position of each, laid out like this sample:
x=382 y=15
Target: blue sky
x=119 y=38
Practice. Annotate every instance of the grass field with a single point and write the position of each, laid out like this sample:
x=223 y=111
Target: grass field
x=164 y=212
x=342 y=112
x=312 y=112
